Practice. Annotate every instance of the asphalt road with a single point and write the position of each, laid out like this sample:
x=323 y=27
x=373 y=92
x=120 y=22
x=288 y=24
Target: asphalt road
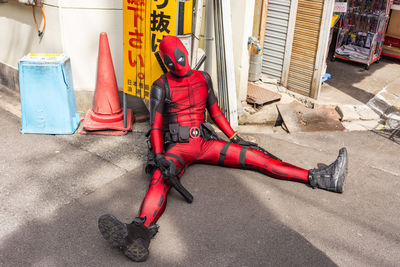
x=53 y=189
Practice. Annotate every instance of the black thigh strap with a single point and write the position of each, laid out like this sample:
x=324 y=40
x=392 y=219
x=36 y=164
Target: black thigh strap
x=223 y=153
x=242 y=157
x=176 y=157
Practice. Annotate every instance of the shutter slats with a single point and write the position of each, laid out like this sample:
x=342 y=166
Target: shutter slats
x=275 y=38
x=305 y=45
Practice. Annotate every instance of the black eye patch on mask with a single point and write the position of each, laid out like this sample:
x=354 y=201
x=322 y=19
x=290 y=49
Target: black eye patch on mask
x=168 y=61
x=180 y=57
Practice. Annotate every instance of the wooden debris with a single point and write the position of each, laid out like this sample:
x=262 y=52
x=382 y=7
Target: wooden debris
x=298 y=118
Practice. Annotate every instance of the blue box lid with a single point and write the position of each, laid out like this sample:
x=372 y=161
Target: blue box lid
x=42 y=58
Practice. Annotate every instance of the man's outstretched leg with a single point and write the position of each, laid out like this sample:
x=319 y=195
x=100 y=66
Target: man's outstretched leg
x=330 y=178
x=233 y=155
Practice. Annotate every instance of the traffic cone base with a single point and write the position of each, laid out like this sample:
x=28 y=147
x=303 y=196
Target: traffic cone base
x=105 y=132
x=97 y=122
x=109 y=118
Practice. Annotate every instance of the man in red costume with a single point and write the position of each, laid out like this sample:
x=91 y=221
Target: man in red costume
x=180 y=136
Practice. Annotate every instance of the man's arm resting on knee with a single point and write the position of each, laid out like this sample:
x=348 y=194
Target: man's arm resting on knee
x=215 y=112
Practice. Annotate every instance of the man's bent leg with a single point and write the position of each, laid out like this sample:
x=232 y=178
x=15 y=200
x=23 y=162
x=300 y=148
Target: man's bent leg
x=134 y=239
x=155 y=201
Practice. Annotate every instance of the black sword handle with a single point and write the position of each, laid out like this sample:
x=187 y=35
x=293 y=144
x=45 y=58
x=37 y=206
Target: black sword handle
x=160 y=62
x=201 y=61
x=175 y=183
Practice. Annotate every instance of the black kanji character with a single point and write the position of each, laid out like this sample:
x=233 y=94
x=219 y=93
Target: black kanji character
x=159 y=22
x=154 y=45
x=164 y=4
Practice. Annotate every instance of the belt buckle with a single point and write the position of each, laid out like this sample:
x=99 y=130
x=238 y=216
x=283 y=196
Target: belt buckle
x=194 y=132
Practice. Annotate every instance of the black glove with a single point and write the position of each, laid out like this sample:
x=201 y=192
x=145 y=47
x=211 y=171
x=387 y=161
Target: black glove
x=238 y=140
x=170 y=172
x=167 y=167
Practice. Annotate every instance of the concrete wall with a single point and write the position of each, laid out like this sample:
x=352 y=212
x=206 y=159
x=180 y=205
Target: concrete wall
x=19 y=35
x=242 y=27
x=242 y=13
x=73 y=28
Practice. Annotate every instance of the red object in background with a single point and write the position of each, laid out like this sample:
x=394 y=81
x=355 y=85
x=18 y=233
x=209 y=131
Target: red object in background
x=106 y=113
x=390 y=41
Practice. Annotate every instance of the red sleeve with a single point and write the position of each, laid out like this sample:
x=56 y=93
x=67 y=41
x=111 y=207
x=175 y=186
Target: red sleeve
x=217 y=115
x=157 y=99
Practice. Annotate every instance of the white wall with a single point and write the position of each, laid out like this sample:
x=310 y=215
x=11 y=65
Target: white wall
x=73 y=28
x=82 y=22
x=19 y=35
x=242 y=13
x=242 y=27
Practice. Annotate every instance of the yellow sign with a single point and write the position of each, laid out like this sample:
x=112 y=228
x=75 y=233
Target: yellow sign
x=145 y=24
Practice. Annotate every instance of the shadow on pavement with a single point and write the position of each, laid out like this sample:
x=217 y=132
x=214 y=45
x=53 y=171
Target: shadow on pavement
x=225 y=226
x=389 y=135
x=352 y=79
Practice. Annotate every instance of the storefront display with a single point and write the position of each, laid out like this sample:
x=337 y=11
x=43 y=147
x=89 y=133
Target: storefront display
x=362 y=31
x=391 y=45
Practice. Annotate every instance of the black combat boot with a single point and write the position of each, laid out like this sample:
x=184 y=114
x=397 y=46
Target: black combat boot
x=332 y=177
x=133 y=239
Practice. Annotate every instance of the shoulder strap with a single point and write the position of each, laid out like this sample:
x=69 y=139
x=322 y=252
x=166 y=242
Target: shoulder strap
x=167 y=89
x=208 y=80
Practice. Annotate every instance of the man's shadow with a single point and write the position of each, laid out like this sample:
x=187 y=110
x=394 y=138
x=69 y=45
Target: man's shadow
x=225 y=226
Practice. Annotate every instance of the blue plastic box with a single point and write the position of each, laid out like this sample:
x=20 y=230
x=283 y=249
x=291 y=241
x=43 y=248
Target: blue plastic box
x=47 y=95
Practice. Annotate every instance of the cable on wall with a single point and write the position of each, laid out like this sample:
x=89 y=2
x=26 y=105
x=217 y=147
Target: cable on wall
x=40 y=32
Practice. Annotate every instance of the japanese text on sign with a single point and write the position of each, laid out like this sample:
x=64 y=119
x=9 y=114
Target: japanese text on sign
x=145 y=24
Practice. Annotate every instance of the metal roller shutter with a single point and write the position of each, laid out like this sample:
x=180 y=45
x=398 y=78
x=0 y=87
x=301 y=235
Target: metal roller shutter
x=305 y=46
x=275 y=38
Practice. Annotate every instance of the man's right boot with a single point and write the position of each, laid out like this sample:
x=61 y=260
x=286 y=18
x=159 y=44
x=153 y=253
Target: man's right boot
x=132 y=239
x=332 y=177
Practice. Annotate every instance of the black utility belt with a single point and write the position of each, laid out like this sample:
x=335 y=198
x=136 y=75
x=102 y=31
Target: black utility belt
x=182 y=134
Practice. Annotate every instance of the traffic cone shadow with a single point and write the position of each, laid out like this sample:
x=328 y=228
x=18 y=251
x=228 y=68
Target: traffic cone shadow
x=106 y=116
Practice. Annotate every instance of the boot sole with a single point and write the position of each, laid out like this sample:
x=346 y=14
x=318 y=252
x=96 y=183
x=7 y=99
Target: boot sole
x=116 y=233
x=343 y=170
x=113 y=231
x=136 y=252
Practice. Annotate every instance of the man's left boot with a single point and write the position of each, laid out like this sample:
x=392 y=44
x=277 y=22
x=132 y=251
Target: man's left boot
x=332 y=177
x=132 y=239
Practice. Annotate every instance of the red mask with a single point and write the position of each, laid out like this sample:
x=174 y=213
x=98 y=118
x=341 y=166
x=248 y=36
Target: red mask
x=174 y=55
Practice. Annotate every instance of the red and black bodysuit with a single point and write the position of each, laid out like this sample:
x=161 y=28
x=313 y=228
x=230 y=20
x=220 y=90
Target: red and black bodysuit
x=180 y=136
x=178 y=101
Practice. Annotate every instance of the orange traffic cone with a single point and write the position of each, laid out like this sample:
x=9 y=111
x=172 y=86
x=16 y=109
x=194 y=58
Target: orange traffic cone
x=106 y=113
